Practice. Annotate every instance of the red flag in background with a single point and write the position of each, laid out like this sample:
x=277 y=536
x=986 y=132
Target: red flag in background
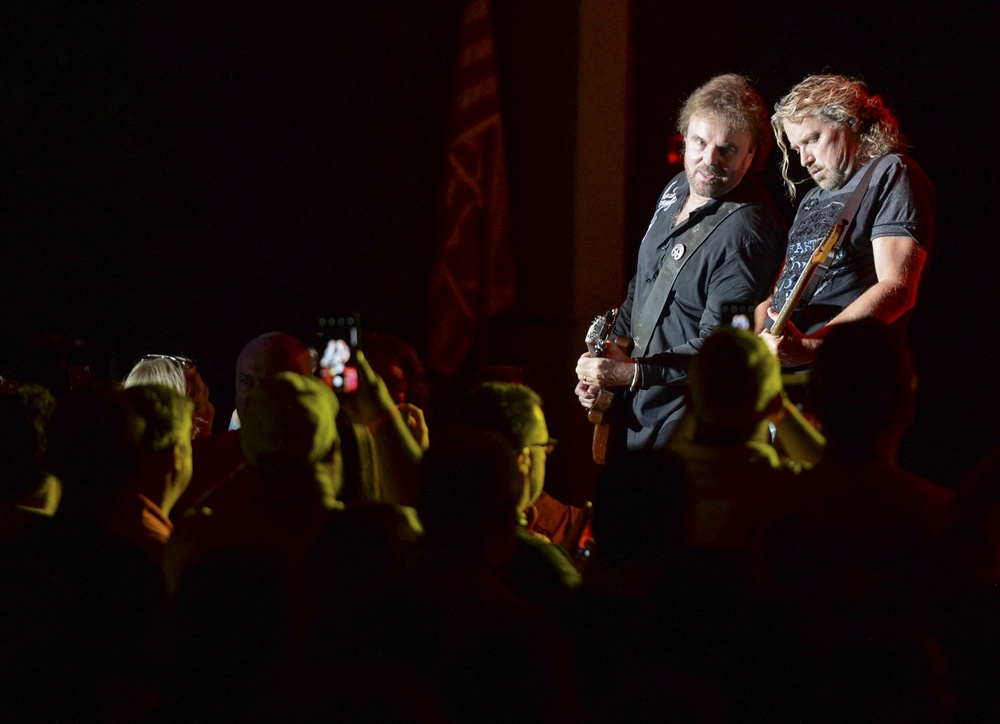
x=473 y=275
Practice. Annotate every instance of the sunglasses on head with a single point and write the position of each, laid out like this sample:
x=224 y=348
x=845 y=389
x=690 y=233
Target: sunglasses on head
x=184 y=362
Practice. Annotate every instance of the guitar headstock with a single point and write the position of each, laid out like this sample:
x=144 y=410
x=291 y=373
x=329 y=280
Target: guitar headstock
x=600 y=332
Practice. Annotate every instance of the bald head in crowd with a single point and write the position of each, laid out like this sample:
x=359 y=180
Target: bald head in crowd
x=263 y=358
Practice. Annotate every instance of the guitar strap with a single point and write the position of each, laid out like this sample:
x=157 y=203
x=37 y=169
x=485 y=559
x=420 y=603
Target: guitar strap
x=649 y=317
x=846 y=218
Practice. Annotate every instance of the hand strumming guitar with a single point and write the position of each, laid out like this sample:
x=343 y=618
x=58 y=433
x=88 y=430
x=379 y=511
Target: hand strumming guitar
x=615 y=369
x=791 y=347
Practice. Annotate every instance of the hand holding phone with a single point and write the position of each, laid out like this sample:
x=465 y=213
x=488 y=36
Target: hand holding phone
x=336 y=368
x=337 y=341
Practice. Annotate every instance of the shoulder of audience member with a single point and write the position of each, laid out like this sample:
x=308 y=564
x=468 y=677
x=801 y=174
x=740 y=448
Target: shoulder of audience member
x=549 y=555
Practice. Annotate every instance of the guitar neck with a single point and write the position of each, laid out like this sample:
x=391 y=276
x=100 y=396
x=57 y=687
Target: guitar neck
x=793 y=299
x=819 y=256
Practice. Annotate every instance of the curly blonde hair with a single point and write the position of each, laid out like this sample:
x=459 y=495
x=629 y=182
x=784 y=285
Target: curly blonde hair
x=838 y=99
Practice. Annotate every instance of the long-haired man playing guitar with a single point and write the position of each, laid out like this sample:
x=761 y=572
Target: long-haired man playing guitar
x=839 y=130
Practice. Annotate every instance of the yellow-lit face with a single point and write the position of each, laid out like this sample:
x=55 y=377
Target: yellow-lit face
x=536 y=441
x=183 y=468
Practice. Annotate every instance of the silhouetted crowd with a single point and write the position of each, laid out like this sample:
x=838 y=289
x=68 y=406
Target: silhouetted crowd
x=336 y=557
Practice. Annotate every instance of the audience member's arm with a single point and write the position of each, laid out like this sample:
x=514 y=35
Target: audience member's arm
x=414 y=417
x=797 y=437
x=398 y=454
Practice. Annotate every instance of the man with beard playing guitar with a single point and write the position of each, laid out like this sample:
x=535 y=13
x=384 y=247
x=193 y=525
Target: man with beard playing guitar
x=840 y=131
x=712 y=250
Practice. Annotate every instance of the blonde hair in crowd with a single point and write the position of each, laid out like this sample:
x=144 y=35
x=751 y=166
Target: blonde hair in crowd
x=157 y=372
x=165 y=412
x=837 y=99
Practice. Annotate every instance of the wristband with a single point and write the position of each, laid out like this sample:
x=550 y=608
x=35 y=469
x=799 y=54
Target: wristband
x=636 y=378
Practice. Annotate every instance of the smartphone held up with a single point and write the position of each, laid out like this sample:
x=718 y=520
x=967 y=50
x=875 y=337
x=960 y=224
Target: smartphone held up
x=336 y=345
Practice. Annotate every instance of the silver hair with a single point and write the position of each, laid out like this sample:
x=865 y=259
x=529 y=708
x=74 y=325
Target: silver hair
x=160 y=371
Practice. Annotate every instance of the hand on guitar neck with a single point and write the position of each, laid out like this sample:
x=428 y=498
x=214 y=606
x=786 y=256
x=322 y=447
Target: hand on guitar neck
x=614 y=369
x=604 y=365
x=788 y=344
x=791 y=347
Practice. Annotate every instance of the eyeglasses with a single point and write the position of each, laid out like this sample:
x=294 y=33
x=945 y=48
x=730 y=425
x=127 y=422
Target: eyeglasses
x=548 y=446
x=184 y=362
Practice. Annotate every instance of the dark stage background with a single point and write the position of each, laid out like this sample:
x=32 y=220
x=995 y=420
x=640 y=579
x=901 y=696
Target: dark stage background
x=178 y=177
